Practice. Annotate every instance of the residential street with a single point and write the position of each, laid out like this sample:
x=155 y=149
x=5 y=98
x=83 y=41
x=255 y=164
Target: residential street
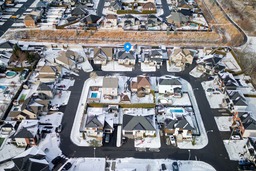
x=214 y=153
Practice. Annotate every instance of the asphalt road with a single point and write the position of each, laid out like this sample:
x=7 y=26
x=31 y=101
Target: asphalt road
x=100 y=8
x=10 y=21
x=166 y=9
x=214 y=153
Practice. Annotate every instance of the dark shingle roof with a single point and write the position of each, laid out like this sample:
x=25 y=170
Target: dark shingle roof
x=172 y=81
x=124 y=54
x=93 y=122
x=137 y=123
x=184 y=125
x=6 y=45
x=23 y=133
x=91 y=19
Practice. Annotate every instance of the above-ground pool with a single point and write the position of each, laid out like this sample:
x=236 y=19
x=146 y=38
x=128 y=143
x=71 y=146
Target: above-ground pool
x=10 y=74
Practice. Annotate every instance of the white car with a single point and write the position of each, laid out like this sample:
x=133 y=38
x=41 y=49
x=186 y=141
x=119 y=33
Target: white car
x=172 y=139
x=235 y=137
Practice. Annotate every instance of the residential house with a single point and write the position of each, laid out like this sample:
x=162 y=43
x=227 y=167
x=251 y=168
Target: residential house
x=170 y=86
x=130 y=20
x=173 y=3
x=64 y=61
x=153 y=21
x=110 y=87
x=153 y=57
x=180 y=57
x=226 y=81
x=6 y=46
x=138 y=126
x=44 y=90
x=79 y=11
x=31 y=19
x=91 y=22
x=243 y=124
x=138 y=1
x=237 y=101
x=182 y=4
x=125 y=98
x=126 y=58
x=110 y=21
x=181 y=129
x=26 y=134
x=88 y=3
x=102 y=55
x=149 y=6
x=210 y=64
x=48 y=74
x=177 y=18
x=9 y=2
x=7 y=127
x=30 y=160
x=251 y=148
x=115 y=5
x=42 y=5
x=108 y=126
x=94 y=126
x=141 y=86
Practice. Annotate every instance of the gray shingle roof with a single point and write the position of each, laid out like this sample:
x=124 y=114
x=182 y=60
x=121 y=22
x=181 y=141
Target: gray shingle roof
x=172 y=81
x=93 y=122
x=23 y=133
x=124 y=54
x=110 y=82
x=137 y=123
x=184 y=125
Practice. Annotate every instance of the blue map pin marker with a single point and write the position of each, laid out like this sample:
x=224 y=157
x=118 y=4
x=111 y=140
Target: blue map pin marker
x=127 y=46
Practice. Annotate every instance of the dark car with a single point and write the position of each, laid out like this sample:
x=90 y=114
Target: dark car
x=175 y=166
x=67 y=166
x=163 y=167
x=107 y=138
x=56 y=160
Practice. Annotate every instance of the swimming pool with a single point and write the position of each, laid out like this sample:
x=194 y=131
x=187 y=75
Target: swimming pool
x=2 y=88
x=94 y=95
x=10 y=74
x=177 y=110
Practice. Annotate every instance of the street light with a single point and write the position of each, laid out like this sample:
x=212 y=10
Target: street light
x=189 y=154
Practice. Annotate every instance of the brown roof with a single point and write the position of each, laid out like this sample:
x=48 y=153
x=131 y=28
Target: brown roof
x=142 y=81
x=111 y=16
x=148 y=5
x=125 y=97
x=46 y=69
x=29 y=17
x=107 y=51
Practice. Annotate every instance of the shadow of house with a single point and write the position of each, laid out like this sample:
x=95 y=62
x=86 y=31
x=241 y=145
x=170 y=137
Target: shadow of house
x=91 y=22
x=32 y=159
x=6 y=46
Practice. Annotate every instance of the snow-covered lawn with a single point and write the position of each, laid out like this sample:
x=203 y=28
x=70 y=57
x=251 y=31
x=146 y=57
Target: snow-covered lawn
x=147 y=68
x=235 y=148
x=9 y=151
x=87 y=164
x=62 y=99
x=174 y=101
x=195 y=73
x=50 y=145
x=114 y=66
x=223 y=122
x=147 y=99
x=149 y=142
x=155 y=164
x=215 y=100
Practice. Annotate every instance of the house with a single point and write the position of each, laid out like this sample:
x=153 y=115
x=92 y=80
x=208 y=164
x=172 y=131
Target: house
x=153 y=21
x=181 y=129
x=102 y=55
x=125 y=98
x=226 y=81
x=182 y=4
x=129 y=20
x=153 y=57
x=91 y=21
x=210 y=64
x=31 y=19
x=171 y=86
x=126 y=58
x=26 y=134
x=141 y=86
x=177 y=18
x=7 y=127
x=6 y=46
x=9 y=2
x=180 y=57
x=42 y=5
x=88 y=3
x=79 y=11
x=48 y=74
x=108 y=126
x=64 y=61
x=137 y=1
x=149 y=6
x=251 y=149
x=94 y=125
x=237 y=101
x=30 y=160
x=110 y=87
x=115 y=5
x=110 y=21
x=244 y=124
x=173 y=3
x=45 y=90
x=138 y=126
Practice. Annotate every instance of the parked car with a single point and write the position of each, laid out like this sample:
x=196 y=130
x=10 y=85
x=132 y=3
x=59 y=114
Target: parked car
x=210 y=90
x=59 y=128
x=67 y=166
x=56 y=160
x=107 y=138
x=172 y=139
x=163 y=166
x=235 y=137
x=175 y=166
